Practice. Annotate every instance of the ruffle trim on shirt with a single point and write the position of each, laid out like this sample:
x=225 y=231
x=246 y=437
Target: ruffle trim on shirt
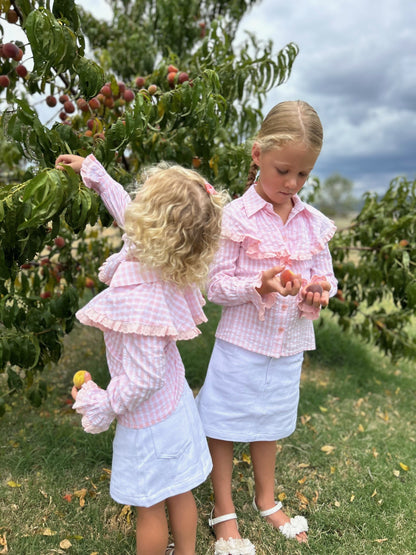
x=110 y=265
x=263 y=302
x=318 y=231
x=89 y=403
x=138 y=301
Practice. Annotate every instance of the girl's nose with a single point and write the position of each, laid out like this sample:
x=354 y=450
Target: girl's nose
x=291 y=181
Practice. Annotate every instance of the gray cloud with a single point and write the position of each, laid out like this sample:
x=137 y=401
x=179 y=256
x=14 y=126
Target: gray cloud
x=356 y=66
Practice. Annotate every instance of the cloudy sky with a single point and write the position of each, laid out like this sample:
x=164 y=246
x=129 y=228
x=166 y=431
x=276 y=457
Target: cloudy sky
x=357 y=67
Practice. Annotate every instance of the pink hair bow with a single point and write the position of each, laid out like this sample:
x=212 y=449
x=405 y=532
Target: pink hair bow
x=209 y=188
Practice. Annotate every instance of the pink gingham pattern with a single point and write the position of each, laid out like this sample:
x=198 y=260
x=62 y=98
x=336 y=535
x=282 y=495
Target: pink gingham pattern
x=255 y=239
x=141 y=317
x=115 y=198
x=147 y=379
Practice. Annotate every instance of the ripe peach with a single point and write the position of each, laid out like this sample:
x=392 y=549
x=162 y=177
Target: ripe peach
x=183 y=76
x=140 y=81
x=63 y=98
x=172 y=69
x=314 y=288
x=12 y=16
x=286 y=276
x=196 y=162
x=109 y=102
x=69 y=107
x=171 y=78
x=94 y=103
x=18 y=56
x=128 y=95
x=21 y=70
x=152 y=89
x=4 y=81
x=89 y=283
x=51 y=101
x=106 y=91
x=59 y=242
x=10 y=50
x=82 y=104
x=80 y=378
x=45 y=295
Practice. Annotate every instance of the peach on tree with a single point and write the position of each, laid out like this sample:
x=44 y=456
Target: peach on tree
x=4 y=81
x=51 y=101
x=21 y=70
x=12 y=16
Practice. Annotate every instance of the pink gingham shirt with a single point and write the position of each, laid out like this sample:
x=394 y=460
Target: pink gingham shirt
x=141 y=316
x=255 y=239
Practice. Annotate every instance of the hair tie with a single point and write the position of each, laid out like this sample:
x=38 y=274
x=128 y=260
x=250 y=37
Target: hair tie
x=209 y=188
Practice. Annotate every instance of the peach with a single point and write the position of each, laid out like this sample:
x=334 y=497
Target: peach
x=314 y=288
x=286 y=276
x=80 y=378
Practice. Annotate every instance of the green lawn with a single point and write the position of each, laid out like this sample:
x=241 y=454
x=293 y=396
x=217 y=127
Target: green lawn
x=349 y=467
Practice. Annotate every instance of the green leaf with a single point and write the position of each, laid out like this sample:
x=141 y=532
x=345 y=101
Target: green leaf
x=66 y=9
x=91 y=77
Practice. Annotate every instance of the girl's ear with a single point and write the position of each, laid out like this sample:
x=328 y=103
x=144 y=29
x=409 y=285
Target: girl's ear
x=255 y=153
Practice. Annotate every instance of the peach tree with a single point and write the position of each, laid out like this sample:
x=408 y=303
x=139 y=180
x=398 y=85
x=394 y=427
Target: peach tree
x=161 y=80
x=375 y=263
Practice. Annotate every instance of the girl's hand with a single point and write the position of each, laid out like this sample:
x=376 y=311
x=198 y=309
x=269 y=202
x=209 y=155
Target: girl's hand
x=71 y=160
x=74 y=392
x=270 y=283
x=317 y=299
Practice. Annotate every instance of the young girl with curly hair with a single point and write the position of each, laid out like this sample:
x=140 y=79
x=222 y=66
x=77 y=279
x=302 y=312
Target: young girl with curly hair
x=171 y=231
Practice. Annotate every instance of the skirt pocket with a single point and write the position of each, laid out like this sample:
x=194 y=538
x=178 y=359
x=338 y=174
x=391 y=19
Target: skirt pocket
x=173 y=435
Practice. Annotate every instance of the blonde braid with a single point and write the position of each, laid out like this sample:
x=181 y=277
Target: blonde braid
x=251 y=174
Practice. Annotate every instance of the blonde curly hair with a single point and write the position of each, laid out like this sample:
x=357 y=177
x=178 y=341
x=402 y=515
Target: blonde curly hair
x=291 y=121
x=174 y=224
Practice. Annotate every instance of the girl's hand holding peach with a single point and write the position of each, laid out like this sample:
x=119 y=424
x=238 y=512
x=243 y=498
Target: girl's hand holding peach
x=317 y=294
x=79 y=379
x=279 y=280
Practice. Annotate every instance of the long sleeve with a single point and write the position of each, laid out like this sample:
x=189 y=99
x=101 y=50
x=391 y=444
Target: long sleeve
x=141 y=365
x=113 y=195
x=229 y=287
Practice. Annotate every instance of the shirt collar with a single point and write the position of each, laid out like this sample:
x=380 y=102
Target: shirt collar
x=253 y=203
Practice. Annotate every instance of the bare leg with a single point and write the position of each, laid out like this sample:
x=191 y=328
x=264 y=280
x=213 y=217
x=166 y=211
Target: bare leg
x=221 y=476
x=183 y=521
x=263 y=455
x=151 y=530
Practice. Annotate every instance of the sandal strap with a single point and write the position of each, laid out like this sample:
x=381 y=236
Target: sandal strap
x=219 y=519
x=267 y=512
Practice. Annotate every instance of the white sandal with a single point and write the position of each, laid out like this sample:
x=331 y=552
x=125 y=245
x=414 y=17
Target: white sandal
x=170 y=550
x=291 y=529
x=232 y=546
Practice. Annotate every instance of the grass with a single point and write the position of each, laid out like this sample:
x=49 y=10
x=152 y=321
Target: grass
x=349 y=467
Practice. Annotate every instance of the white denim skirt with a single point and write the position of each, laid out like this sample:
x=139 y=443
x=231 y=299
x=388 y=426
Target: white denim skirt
x=249 y=397
x=169 y=458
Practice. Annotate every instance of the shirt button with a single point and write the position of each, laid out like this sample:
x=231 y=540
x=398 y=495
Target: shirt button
x=281 y=330
x=284 y=307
